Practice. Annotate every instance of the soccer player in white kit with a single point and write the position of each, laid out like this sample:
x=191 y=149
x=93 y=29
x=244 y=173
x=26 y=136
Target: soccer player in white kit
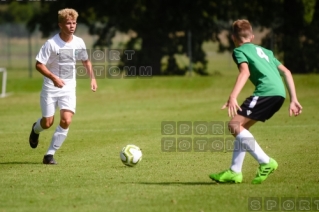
x=56 y=62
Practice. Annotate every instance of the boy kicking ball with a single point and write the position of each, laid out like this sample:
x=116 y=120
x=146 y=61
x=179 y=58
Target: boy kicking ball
x=264 y=71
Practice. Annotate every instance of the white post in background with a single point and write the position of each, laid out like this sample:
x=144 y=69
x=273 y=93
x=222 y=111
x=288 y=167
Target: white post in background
x=4 y=82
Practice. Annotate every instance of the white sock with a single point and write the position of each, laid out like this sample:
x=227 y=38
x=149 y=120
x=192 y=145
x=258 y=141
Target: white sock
x=57 y=140
x=249 y=144
x=37 y=127
x=238 y=157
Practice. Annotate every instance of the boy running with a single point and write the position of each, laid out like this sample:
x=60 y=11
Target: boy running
x=56 y=62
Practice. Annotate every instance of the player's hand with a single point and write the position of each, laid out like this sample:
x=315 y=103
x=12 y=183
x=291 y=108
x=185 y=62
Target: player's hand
x=232 y=107
x=93 y=85
x=295 y=108
x=59 y=83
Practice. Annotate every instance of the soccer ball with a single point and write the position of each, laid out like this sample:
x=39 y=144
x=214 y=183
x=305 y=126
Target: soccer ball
x=131 y=155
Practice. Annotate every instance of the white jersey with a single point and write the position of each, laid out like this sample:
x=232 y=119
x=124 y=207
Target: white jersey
x=60 y=58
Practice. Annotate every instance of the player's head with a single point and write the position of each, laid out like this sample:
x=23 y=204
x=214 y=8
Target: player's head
x=67 y=21
x=66 y=14
x=242 y=32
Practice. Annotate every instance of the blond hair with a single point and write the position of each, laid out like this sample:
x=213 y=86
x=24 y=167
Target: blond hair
x=242 y=29
x=67 y=13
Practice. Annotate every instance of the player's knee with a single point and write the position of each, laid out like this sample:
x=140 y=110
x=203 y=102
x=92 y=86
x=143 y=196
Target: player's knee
x=47 y=123
x=229 y=127
x=233 y=127
x=66 y=122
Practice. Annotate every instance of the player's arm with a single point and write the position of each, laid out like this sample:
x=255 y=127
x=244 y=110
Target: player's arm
x=45 y=72
x=88 y=66
x=240 y=82
x=295 y=108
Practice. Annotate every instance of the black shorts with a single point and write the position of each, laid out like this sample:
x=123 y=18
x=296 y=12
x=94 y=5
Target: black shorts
x=261 y=108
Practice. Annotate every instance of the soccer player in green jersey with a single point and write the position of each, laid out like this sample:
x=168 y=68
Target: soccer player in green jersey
x=261 y=67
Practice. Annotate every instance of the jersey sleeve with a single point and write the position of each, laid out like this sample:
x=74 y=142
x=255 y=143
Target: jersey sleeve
x=81 y=54
x=239 y=57
x=276 y=62
x=44 y=53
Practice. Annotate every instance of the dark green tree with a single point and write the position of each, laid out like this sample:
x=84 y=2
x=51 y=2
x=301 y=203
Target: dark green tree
x=289 y=34
x=16 y=12
x=293 y=25
x=295 y=35
x=161 y=28
x=311 y=43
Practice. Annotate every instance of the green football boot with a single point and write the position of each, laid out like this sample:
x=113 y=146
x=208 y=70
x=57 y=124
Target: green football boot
x=264 y=171
x=227 y=176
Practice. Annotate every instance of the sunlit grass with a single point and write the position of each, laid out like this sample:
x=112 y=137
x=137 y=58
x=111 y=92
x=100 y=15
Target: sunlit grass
x=91 y=177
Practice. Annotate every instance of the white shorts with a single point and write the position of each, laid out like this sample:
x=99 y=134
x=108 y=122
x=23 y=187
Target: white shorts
x=49 y=104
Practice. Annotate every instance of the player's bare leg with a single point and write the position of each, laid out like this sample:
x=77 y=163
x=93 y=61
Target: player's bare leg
x=59 y=136
x=37 y=127
x=244 y=142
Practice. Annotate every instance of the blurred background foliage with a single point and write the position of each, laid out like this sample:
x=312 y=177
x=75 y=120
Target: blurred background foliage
x=164 y=29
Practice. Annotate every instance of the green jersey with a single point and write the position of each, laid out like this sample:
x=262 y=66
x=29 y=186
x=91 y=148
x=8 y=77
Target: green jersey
x=264 y=73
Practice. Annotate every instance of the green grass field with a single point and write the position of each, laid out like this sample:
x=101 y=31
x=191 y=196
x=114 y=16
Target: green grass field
x=91 y=177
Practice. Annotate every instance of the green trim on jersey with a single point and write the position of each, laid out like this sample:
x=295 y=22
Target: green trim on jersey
x=264 y=73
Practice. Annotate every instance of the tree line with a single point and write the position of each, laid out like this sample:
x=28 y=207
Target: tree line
x=164 y=28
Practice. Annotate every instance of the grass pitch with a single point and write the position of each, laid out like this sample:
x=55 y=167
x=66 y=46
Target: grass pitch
x=90 y=176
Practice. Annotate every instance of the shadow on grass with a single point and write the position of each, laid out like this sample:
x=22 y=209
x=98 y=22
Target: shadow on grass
x=19 y=163
x=178 y=183
x=122 y=167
